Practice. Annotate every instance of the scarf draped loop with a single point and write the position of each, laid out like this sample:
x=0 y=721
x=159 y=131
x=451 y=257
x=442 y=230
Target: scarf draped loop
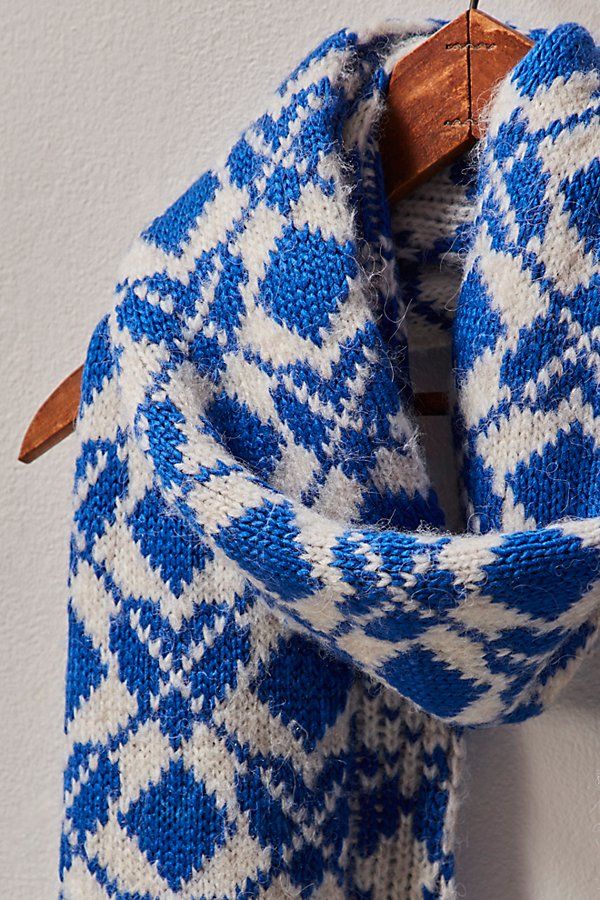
x=274 y=642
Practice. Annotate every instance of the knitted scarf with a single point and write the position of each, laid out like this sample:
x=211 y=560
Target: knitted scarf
x=274 y=644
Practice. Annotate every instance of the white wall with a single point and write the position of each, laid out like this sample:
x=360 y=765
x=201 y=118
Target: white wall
x=109 y=110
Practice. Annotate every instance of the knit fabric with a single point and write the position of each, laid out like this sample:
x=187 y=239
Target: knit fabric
x=274 y=646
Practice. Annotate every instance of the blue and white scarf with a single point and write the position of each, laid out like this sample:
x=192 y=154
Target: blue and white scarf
x=274 y=645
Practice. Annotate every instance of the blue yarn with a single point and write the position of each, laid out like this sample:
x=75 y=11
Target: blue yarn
x=273 y=648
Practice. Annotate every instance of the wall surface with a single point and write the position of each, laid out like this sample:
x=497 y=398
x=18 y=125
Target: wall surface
x=107 y=112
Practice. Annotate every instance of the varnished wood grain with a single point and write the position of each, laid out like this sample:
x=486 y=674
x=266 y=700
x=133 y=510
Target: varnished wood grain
x=495 y=50
x=437 y=95
x=54 y=420
x=427 y=119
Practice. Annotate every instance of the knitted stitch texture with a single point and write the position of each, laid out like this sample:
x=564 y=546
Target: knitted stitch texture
x=274 y=647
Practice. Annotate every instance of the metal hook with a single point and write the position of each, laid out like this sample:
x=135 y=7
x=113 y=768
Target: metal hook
x=474 y=4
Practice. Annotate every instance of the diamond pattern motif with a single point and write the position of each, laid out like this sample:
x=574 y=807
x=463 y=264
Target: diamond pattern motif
x=177 y=824
x=267 y=657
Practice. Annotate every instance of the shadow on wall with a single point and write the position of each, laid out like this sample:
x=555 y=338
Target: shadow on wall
x=521 y=778
x=491 y=817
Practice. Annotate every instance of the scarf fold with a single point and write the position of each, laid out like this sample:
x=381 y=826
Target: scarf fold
x=274 y=644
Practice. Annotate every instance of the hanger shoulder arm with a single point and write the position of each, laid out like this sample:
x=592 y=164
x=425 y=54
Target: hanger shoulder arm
x=54 y=420
x=495 y=49
x=437 y=95
x=426 y=123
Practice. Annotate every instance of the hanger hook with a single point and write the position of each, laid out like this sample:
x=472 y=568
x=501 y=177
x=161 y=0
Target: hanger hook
x=474 y=4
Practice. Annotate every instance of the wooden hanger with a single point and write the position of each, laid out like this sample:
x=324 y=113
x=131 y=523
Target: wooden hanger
x=436 y=96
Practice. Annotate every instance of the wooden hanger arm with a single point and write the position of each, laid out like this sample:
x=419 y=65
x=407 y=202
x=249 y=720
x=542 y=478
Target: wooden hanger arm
x=436 y=96
x=55 y=419
x=426 y=123
x=495 y=49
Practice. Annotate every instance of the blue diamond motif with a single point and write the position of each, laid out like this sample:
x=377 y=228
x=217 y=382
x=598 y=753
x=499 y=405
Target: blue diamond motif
x=177 y=823
x=282 y=685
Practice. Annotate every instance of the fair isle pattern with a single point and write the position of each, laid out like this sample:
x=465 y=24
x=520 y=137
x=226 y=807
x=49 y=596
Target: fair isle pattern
x=272 y=652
